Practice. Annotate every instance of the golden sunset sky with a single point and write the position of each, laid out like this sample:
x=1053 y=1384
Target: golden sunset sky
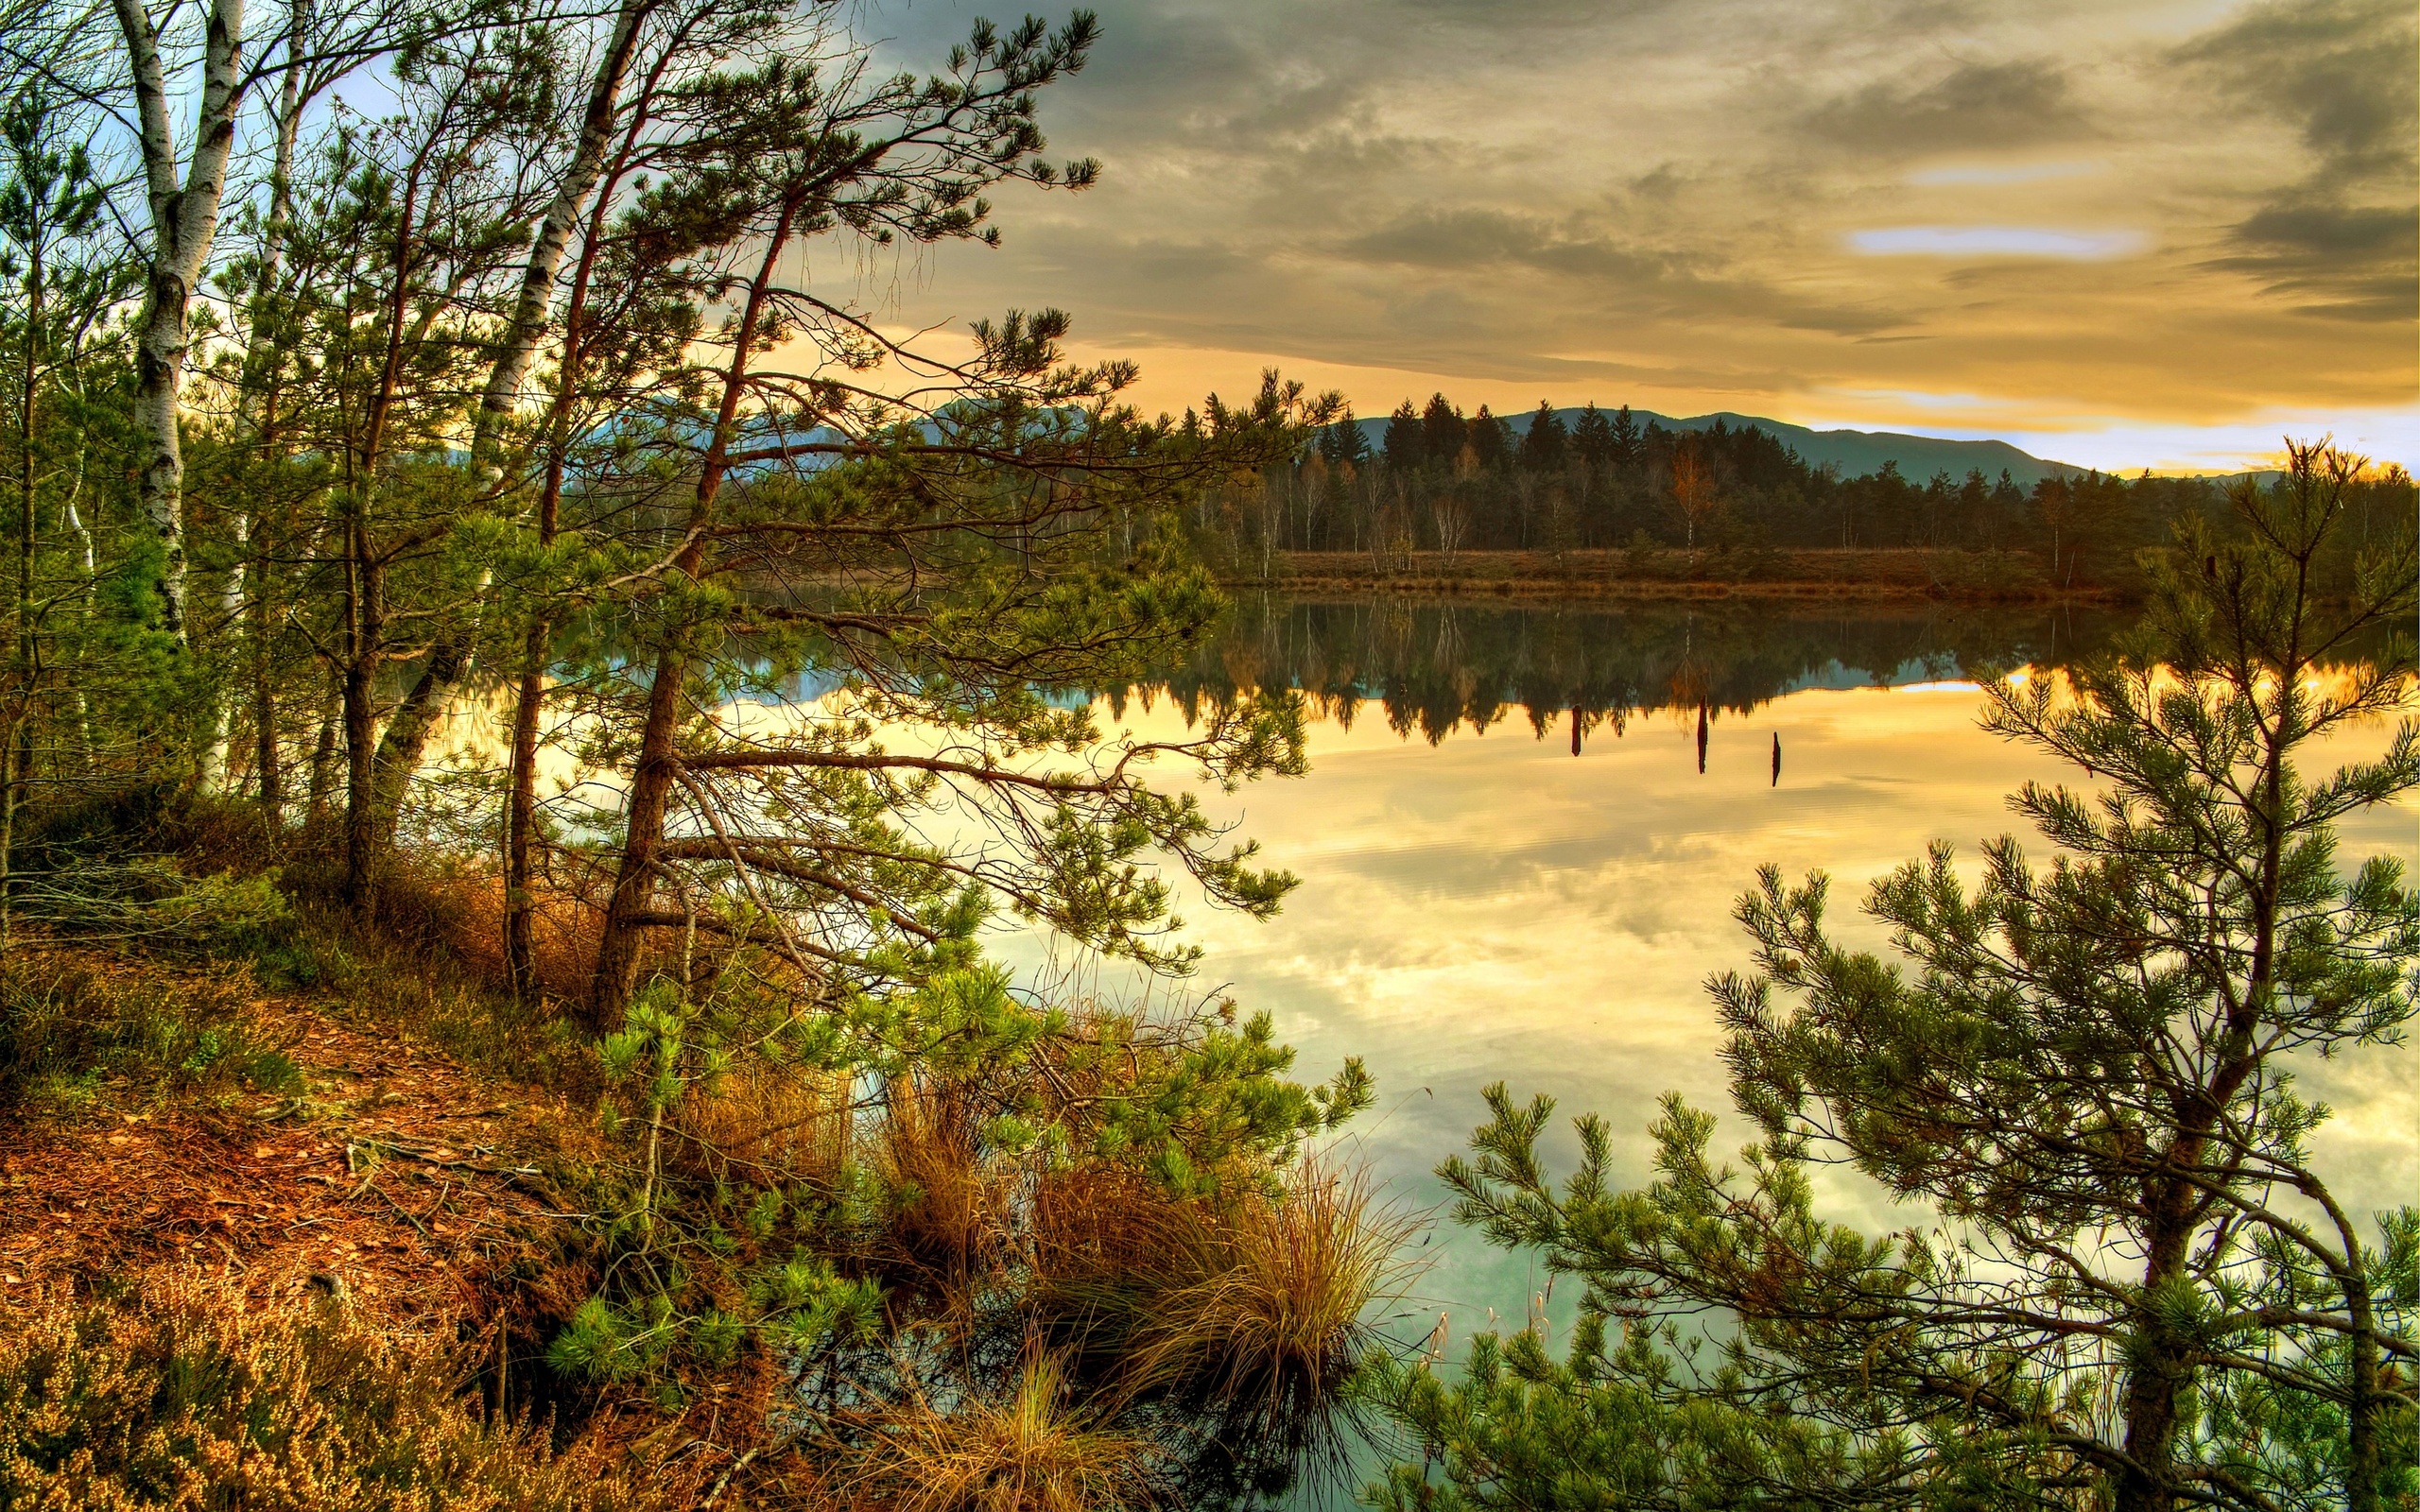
x=2118 y=233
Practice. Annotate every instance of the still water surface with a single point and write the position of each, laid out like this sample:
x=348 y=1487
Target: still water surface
x=1478 y=903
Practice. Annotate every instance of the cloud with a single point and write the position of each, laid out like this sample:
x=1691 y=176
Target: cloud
x=2339 y=233
x=2341 y=70
x=1996 y=241
x=2356 y=263
x=1479 y=238
x=1738 y=204
x=1979 y=105
x=1998 y=174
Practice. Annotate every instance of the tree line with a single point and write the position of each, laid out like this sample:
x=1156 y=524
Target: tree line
x=1439 y=480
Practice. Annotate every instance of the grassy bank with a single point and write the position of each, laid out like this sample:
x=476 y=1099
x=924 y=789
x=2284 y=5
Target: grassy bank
x=302 y=1202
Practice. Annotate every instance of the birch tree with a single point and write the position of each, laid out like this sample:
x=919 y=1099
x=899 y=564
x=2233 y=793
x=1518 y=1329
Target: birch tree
x=184 y=184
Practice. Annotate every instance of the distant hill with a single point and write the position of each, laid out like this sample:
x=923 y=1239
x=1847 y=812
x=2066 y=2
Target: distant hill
x=1856 y=453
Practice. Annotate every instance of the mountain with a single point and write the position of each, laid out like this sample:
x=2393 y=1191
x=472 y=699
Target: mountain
x=1856 y=453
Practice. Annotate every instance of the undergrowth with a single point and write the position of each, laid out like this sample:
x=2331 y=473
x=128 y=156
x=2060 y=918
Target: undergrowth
x=72 y=1029
x=183 y=1396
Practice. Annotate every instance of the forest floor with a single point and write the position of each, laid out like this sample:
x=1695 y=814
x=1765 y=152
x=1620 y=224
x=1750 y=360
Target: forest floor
x=381 y=1169
x=1913 y=573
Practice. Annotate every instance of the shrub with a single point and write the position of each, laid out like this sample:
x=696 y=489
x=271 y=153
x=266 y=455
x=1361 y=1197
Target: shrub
x=179 y=1397
x=1029 y=1451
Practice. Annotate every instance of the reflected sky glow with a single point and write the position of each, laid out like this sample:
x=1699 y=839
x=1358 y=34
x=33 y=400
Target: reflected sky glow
x=1490 y=908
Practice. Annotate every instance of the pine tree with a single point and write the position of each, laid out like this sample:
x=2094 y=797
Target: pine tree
x=1490 y=441
x=1342 y=442
x=1443 y=432
x=1403 y=446
x=2138 y=1290
x=1592 y=438
x=1628 y=449
x=1545 y=443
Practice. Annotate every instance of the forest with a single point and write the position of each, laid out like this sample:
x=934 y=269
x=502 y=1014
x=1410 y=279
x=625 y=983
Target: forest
x=526 y=714
x=1441 y=481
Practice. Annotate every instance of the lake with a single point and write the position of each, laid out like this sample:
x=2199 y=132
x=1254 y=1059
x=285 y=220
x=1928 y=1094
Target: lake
x=1481 y=900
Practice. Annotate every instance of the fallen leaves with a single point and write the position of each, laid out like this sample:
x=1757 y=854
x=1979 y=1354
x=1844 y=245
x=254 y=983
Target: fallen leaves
x=367 y=1177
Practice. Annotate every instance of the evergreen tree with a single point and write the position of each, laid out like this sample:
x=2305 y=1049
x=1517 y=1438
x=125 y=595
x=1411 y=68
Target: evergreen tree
x=2138 y=1290
x=1543 y=443
x=1443 y=432
x=1342 y=442
x=1403 y=446
x=1490 y=441
x=1626 y=446
x=1592 y=438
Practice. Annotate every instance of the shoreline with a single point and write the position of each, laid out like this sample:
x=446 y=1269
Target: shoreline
x=1876 y=575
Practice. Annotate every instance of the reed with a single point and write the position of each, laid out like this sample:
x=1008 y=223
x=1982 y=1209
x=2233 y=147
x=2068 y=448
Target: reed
x=951 y=1218
x=1264 y=1316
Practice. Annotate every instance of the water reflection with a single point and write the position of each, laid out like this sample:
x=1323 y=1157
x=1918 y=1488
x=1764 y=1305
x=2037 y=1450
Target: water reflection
x=1476 y=908
x=1437 y=667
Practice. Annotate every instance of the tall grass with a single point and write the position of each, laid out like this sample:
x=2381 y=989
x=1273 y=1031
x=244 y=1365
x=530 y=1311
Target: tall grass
x=1260 y=1311
x=69 y=1024
x=1246 y=1312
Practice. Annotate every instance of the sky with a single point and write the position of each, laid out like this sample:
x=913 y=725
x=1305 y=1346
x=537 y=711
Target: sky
x=2120 y=234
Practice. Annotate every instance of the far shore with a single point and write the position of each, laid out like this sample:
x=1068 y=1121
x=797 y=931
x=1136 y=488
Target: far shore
x=1793 y=573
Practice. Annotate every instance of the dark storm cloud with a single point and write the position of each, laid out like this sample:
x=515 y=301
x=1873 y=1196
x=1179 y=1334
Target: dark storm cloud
x=1979 y=105
x=2349 y=263
x=2341 y=70
x=2341 y=234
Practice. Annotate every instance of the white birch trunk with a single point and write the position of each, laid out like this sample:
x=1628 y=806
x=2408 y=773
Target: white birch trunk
x=449 y=660
x=250 y=402
x=528 y=324
x=185 y=219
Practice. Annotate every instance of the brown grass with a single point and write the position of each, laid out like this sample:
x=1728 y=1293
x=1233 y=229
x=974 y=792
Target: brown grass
x=1031 y=1452
x=1250 y=1305
x=1264 y=1308
x=952 y=1220
x=765 y=1128
x=182 y=1398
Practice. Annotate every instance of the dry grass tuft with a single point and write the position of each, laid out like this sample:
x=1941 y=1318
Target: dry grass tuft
x=765 y=1128
x=182 y=1398
x=1027 y=1453
x=952 y=1218
x=1263 y=1303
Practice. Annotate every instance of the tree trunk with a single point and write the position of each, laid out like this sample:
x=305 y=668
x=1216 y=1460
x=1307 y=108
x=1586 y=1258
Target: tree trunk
x=563 y=216
x=2157 y=1373
x=257 y=406
x=406 y=743
x=361 y=637
x=324 y=752
x=521 y=820
x=185 y=219
x=449 y=660
x=271 y=791
x=651 y=778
